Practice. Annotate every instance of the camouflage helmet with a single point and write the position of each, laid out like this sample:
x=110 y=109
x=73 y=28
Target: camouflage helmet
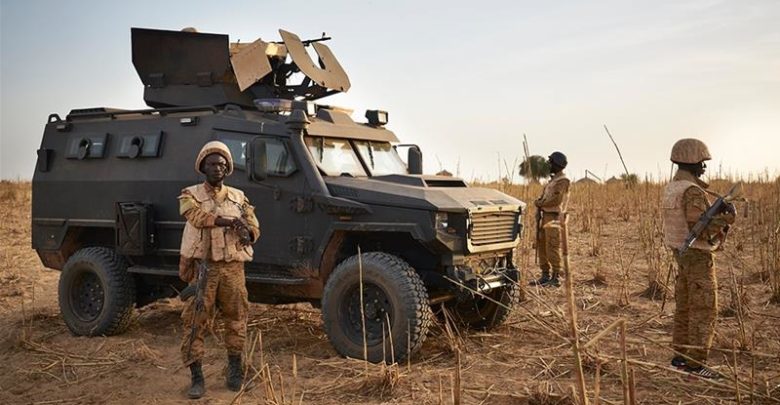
x=218 y=148
x=559 y=159
x=690 y=150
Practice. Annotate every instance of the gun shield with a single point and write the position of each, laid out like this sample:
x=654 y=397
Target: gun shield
x=331 y=75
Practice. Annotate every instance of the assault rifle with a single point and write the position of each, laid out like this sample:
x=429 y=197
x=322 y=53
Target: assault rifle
x=539 y=214
x=198 y=289
x=722 y=204
x=242 y=229
x=244 y=235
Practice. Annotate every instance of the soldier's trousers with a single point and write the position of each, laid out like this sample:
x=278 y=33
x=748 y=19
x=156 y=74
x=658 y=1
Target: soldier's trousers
x=549 y=244
x=225 y=293
x=695 y=295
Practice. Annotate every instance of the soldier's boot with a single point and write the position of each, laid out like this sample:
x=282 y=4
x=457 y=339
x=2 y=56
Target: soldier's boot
x=198 y=387
x=703 y=372
x=543 y=280
x=554 y=280
x=679 y=362
x=235 y=374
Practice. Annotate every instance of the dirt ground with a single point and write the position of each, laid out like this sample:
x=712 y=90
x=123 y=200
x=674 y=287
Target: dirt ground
x=615 y=254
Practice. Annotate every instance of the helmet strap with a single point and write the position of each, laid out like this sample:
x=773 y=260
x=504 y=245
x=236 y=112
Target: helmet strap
x=696 y=169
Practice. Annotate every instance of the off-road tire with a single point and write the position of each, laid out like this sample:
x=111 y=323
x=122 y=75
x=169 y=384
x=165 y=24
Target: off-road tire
x=406 y=304
x=96 y=293
x=483 y=314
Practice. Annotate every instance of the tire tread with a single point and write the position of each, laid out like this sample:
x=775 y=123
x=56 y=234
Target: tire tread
x=120 y=284
x=413 y=289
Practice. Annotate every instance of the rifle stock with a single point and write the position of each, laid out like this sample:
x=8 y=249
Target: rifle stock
x=199 y=305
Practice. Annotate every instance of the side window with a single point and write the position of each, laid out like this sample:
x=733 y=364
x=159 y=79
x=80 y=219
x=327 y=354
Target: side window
x=237 y=146
x=278 y=158
x=280 y=163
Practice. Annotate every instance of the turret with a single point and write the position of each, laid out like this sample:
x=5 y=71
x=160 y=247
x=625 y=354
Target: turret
x=186 y=68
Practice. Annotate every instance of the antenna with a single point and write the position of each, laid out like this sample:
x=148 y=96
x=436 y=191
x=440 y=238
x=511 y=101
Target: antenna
x=588 y=172
x=527 y=157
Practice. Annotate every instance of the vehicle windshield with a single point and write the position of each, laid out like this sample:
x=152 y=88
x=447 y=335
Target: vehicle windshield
x=334 y=156
x=381 y=158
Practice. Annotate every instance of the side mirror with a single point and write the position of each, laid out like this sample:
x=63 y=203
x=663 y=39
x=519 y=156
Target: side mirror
x=256 y=161
x=414 y=160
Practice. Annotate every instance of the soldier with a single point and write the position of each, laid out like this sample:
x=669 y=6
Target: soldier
x=221 y=226
x=695 y=292
x=551 y=210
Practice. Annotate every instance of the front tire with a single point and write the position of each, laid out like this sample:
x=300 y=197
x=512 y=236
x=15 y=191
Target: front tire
x=484 y=314
x=393 y=294
x=96 y=293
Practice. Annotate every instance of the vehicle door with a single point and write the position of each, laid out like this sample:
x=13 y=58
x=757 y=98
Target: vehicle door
x=277 y=201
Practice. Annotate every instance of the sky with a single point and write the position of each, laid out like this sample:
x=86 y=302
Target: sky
x=464 y=80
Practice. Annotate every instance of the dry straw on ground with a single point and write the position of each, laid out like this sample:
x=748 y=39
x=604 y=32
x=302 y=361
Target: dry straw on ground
x=622 y=280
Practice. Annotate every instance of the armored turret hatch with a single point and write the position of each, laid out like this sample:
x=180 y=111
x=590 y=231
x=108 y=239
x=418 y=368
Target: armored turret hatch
x=185 y=68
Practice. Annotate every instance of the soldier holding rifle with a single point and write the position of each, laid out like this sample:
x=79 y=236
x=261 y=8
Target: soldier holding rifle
x=221 y=227
x=550 y=216
x=693 y=229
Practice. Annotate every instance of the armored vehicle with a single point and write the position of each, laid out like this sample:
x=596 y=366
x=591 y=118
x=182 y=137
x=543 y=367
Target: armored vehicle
x=347 y=224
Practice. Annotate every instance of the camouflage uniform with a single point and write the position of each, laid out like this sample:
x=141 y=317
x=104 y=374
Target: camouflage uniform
x=552 y=203
x=225 y=282
x=696 y=285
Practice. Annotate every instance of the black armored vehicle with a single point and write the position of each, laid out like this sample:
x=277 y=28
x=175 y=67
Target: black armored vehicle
x=347 y=224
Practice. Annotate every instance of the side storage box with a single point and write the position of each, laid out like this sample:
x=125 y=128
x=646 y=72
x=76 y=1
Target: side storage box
x=135 y=234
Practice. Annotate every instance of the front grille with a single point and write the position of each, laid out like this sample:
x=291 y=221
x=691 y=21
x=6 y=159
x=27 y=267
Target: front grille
x=493 y=227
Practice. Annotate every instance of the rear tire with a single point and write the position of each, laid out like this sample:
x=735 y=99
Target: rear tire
x=391 y=289
x=96 y=293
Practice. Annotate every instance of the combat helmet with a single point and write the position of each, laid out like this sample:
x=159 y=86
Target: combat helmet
x=690 y=151
x=559 y=159
x=218 y=148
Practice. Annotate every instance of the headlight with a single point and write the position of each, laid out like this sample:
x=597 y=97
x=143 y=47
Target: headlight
x=442 y=221
x=445 y=223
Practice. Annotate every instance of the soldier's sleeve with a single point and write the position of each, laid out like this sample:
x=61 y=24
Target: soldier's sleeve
x=189 y=207
x=251 y=219
x=554 y=195
x=694 y=205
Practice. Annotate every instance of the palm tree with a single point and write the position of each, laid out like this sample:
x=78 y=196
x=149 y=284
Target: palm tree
x=537 y=169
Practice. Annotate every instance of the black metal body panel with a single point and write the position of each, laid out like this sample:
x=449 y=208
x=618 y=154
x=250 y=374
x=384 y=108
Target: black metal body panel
x=308 y=222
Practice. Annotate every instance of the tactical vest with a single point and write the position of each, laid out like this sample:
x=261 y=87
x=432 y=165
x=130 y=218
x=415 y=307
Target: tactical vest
x=551 y=185
x=675 y=224
x=217 y=243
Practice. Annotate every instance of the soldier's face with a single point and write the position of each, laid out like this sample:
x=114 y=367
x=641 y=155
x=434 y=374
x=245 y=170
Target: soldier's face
x=701 y=169
x=215 y=167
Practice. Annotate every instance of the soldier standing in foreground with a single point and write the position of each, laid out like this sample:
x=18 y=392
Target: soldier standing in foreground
x=221 y=226
x=684 y=203
x=551 y=211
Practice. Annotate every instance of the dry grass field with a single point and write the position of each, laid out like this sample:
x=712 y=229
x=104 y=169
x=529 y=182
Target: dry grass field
x=620 y=269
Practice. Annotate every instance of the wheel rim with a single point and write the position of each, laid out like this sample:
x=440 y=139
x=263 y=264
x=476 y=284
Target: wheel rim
x=87 y=296
x=377 y=309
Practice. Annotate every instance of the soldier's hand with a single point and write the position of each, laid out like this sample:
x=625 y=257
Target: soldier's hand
x=730 y=208
x=244 y=235
x=236 y=224
x=222 y=221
